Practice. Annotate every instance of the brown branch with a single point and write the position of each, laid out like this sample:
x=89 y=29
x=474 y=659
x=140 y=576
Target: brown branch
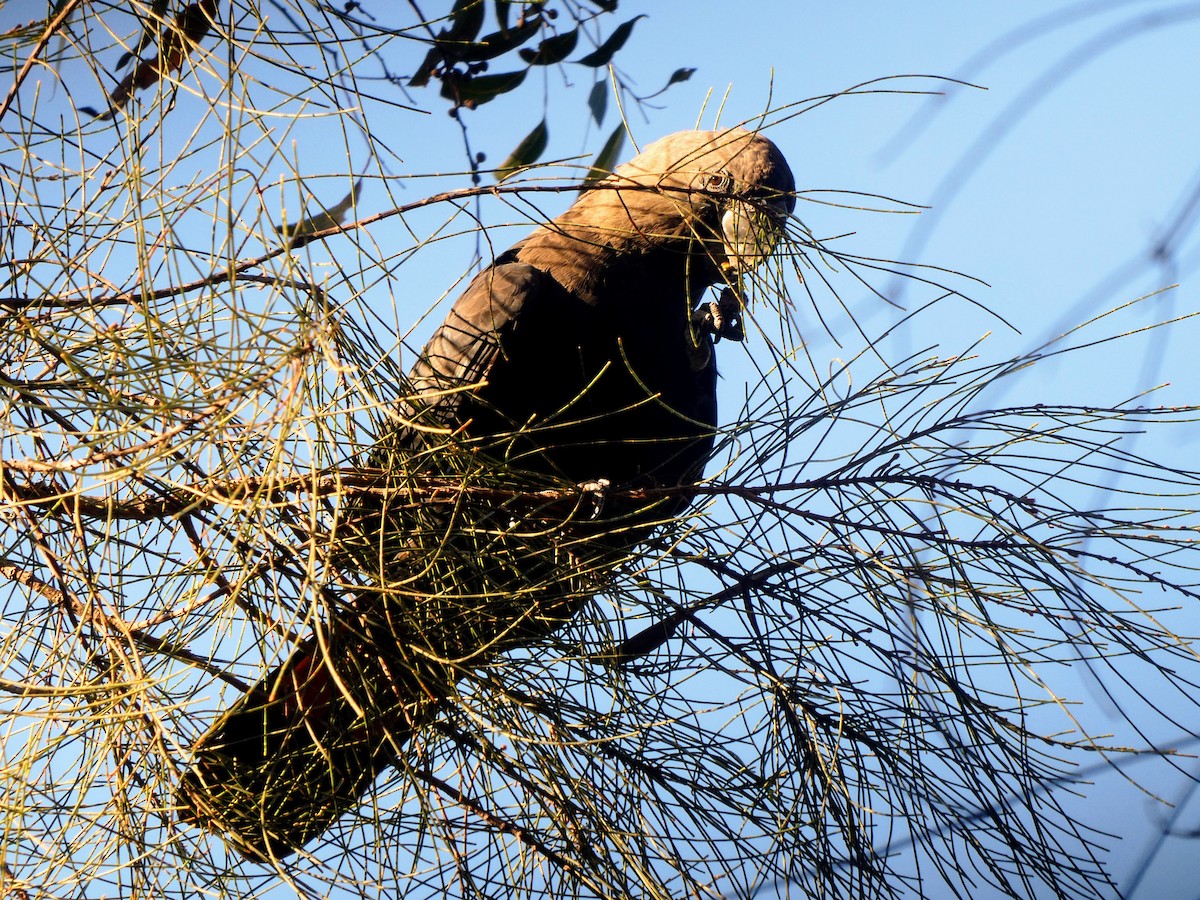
x=108 y=624
x=72 y=465
x=274 y=489
x=233 y=272
x=504 y=826
x=9 y=886
x=63 y=14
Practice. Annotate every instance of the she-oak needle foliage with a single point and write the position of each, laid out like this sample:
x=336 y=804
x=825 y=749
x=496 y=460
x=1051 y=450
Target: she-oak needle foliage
x=852 y=643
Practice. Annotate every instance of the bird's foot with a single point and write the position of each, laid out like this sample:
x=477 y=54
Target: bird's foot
x=722 y=318
x=597 y=490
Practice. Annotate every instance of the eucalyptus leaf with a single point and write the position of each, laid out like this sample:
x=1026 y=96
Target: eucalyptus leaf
x=603 y=54
x=325 y=218
x=553 y=49
x=598 y=101
x=478 y=89
x=498 y=42
x=606 y=159
x=466 y=20
x=529 y=151
x=677 y=76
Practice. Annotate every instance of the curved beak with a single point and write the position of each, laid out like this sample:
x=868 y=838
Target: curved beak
x=750 y=233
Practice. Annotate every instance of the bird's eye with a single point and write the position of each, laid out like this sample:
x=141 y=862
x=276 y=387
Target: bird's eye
x=720 y=181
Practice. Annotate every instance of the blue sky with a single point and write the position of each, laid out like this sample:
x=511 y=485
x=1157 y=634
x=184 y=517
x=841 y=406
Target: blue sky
x=1040 y=185
x=1051 y=181
x=1052 y=184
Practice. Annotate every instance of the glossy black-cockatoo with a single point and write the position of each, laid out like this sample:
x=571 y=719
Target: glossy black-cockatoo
x=584 y=354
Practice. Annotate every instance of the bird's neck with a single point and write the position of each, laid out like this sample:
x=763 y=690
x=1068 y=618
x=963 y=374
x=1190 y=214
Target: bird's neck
x=592 y=265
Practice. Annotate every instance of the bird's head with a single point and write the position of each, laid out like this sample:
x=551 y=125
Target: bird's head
x=708 y=205
x=731 y=191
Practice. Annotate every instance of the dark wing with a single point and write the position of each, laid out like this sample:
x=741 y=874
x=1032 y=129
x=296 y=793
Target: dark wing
x=464 y=351
x=554 y=383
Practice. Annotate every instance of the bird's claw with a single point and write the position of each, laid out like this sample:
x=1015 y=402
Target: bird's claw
x=721 y=318
x=598 y=489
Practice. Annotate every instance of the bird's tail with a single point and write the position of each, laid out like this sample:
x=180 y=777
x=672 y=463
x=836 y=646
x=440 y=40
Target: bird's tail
x=305 y=743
